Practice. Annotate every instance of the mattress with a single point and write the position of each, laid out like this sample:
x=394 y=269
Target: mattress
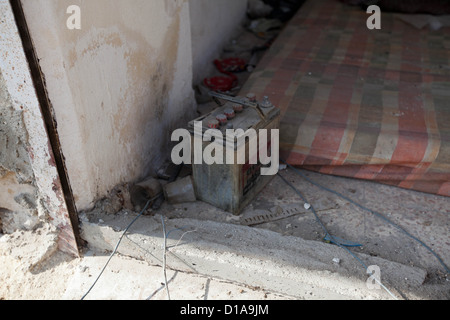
x=360 y=103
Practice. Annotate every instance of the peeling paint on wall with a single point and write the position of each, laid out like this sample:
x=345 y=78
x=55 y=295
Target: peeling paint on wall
x=33 y=190
x=18 y=195
x=118 y=86
x=123 y=83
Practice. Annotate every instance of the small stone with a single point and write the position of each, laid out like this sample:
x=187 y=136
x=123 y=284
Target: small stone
x=307 y=206
x=83 y=269
x=336 y=260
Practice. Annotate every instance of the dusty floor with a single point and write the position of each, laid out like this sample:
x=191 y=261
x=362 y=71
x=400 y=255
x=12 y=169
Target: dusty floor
x=57 y=276
x=280 y=209
x=33 y=269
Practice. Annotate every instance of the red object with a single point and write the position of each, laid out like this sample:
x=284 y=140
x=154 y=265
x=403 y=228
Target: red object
x=230 y=114
x=226 y=66
x=214 y=124
x=238 y=108
x=220 y=83
x=222 y=119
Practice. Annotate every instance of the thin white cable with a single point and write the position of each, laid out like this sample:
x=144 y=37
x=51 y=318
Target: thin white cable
x=164 y=257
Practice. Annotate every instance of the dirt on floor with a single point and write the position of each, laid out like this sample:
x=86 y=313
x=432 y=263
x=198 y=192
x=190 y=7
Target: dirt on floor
x=33 y=268
x=424 y=217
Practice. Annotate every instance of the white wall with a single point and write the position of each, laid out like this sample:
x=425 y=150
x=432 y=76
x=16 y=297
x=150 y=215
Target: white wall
x=213 y=25
x=118 y=86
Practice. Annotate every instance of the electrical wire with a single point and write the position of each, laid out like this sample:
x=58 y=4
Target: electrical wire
x=179 y=240
x=118 y=244
x=332 y=238
x=164 y=257
x=379 y=215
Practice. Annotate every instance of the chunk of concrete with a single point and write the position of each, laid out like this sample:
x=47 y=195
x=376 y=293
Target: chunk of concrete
x=180 y=191
x=34 y=248
x=18 y=209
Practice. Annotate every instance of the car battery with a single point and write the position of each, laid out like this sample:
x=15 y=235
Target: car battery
x=232 y=186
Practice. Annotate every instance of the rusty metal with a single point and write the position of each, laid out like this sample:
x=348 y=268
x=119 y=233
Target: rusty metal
x=232 y=186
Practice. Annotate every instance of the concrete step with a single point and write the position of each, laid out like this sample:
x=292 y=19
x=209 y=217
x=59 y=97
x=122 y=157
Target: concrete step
x=255 y=257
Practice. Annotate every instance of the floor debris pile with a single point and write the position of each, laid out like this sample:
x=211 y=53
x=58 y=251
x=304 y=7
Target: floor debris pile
x=240 y=56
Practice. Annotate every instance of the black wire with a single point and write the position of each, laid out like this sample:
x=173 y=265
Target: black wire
x=118 y=243
x=330 y=237
x=379 y=215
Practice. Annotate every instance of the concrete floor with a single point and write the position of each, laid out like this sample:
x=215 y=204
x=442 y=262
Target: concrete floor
x=127 y=278
x=280 y=242
x=273 y=251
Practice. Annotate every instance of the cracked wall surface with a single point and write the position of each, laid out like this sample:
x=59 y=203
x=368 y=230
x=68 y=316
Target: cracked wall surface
x=18 y=194
x=30 y=188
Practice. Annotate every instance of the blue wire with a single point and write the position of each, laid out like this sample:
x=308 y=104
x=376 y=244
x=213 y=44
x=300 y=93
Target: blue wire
x=328 y=236
x=371 y=211
x=173 y=230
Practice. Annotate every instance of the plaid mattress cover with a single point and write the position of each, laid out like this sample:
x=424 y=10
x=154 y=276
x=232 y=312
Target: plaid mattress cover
x=360 y=103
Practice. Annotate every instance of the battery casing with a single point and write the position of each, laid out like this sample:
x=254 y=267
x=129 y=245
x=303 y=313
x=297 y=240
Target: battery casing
x=231 y=187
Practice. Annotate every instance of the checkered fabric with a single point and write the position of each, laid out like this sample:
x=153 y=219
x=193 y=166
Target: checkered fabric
x=360 y=103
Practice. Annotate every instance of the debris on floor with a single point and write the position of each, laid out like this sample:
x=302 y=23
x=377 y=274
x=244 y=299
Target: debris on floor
x=180 y=191
x=258 y=9
x=279 y=210
x=30 y=249
x=241 y=55
x=142 y=192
